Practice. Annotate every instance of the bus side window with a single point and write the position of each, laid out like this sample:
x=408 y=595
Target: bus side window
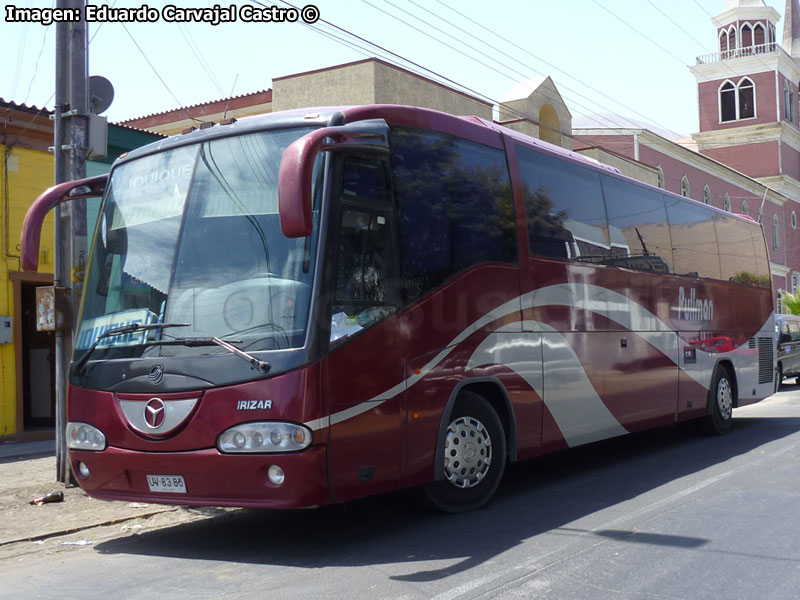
x=363 y=257
x=564 y=208
x=637 y=224
x=736 y=253
x=364 y=291
x=694 y=239
x=454 y=207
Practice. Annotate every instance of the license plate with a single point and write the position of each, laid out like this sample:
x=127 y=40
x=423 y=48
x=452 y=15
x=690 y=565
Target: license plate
x=173 y=484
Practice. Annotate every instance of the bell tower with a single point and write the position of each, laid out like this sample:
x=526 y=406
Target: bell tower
x=748 y=94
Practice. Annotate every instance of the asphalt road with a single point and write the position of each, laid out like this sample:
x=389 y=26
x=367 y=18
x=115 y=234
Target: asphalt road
x=665 y=514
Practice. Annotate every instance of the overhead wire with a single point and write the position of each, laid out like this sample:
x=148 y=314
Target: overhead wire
x=23 y=39
x=435 y=75
x=158 y=75
x=515 y=80
x=538 y=58
x=36 y=66
x=187 y=36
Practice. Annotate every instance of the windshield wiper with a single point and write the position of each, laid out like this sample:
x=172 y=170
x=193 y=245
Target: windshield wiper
x=114 y=331
x=261 y=365
x=255 y=363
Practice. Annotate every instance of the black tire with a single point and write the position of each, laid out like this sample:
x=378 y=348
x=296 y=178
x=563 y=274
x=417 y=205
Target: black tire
x=722 y=397
x=469 y=481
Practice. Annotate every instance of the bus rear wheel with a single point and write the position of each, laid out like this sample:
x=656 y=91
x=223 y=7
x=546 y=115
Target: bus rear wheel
x=473 y=457
x=722 y=399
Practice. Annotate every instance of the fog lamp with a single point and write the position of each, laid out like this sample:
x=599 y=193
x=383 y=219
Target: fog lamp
x=276 y=475
x=83 y=470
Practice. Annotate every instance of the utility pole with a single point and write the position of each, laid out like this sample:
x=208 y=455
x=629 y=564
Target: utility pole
x=70 y=151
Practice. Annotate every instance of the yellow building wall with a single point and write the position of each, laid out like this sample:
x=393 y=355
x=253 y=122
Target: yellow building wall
x=24 y=174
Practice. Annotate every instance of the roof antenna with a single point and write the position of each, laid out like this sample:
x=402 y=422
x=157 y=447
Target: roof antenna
x=235 y=79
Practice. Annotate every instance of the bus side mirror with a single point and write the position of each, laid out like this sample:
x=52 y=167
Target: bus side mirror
x=49 y=199
x=297 y=167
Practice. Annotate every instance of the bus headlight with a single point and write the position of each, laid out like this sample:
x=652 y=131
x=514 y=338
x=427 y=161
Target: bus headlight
x=82 y=436
x=264 y=438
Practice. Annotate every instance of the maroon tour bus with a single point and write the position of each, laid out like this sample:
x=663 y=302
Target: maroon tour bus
x=314 y=306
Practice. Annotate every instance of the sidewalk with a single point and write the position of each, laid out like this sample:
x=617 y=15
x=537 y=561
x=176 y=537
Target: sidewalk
x=27 y=472
x=27 y=449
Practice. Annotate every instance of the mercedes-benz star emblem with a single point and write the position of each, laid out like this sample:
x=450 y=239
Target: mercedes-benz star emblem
x=155 y=411
x=156 y=374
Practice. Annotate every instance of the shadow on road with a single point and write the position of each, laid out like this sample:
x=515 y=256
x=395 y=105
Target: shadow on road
x=537 y=496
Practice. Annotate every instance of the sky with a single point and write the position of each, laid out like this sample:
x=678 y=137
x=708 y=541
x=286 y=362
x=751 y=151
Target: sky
x=624 y=59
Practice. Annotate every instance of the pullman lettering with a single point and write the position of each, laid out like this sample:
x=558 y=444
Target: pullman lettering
x=692 y=308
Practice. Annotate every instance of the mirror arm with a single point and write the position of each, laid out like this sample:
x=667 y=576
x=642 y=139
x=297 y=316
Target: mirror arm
x=49 y=199
x=297 y=167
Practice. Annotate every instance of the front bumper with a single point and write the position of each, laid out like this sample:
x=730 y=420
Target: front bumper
x=212 y=478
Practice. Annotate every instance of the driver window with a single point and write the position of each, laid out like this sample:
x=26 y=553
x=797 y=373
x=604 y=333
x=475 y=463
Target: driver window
x=364 y=293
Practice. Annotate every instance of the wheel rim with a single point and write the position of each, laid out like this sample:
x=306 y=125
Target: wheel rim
x=724 y=399
x=467 y=452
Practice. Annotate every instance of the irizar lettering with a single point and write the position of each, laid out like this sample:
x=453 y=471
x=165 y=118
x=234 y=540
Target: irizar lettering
x=254 y=405
x=692 y=308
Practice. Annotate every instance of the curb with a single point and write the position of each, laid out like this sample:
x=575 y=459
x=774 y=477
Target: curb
x=45 y=536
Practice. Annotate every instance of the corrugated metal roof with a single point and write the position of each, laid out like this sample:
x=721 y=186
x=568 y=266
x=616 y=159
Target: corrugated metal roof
x=198 y=105
x=24 y=107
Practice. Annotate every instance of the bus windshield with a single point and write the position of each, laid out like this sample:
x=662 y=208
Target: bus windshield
x=192 y=236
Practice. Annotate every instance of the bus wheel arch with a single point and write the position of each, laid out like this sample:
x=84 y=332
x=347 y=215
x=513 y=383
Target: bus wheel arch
x=722 y=399
x=467 y=476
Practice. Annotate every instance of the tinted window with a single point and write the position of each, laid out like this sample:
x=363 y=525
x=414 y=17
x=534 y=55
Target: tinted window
x=454 y=206
x=736 y=258
x=762 y=259
x=364 y=259
x=564 y=207
x=637 y=227
x=694 y=240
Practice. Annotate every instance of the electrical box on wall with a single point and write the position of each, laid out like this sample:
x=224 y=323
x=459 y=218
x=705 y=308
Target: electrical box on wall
x=6 y=331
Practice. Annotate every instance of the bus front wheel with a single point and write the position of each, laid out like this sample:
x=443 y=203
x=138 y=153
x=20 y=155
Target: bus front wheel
x=722 y=397
x=473 y=457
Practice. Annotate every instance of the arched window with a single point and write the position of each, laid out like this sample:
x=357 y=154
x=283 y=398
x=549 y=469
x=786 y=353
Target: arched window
x=776 y=232
x=758 y=36
x=747 y=36
x=794 y=220
x=737 y=101
x=660 y=176
x=788 y=101
x=732 y=45
x=727 y=102
x=707 y=195
x=726 y=202
x=723 y=43
x=745 y=208
x=747 y=99
x=685 y=187
x=771 y=33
